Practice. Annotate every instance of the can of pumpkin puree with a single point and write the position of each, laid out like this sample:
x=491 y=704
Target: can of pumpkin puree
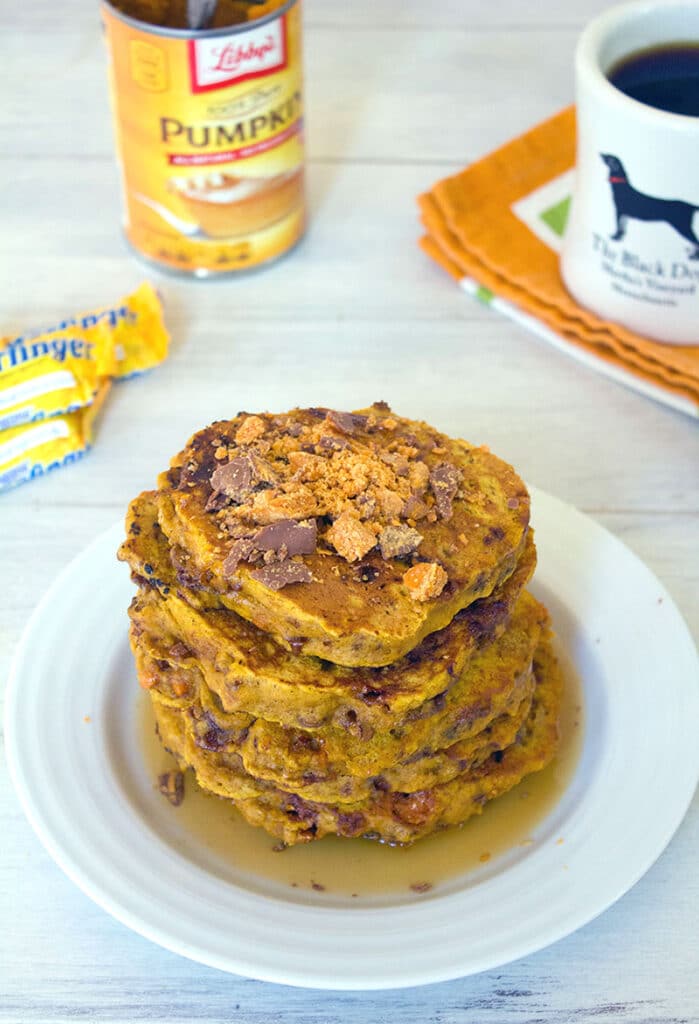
x=209 y=132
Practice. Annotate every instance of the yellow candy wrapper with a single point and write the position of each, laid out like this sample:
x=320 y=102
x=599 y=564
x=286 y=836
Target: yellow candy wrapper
x=59 y=369
x=56 y=372
x=138 y=330
x=32 y=450
x=53 y=381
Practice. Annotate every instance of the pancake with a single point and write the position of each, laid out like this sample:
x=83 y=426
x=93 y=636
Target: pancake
x=494 y=679
x=333 y=626
x=349 y=536
x=250 y=670
x=299 y=762
x=391 y=817
x=491 y=679
x=327 y=782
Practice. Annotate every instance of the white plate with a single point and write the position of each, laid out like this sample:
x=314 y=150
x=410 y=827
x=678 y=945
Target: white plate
x=84 y=791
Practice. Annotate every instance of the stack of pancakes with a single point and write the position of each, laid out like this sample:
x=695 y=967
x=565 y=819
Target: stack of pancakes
x=333 y=626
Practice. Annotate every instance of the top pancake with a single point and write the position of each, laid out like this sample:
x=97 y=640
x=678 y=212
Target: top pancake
x=350 y=536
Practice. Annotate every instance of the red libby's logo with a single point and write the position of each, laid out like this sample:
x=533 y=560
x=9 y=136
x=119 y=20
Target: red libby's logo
x=222 y=60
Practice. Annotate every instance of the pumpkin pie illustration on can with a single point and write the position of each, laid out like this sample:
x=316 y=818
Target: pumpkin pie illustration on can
x=224 y=205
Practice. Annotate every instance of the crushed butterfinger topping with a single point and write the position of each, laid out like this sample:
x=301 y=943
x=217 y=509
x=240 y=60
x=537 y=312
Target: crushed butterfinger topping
x=350 y=537
x=398 y=541
x=250 y=429
x=425 y=580
x=350 y=481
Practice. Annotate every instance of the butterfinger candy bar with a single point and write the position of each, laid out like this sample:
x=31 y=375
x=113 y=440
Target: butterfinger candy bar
x=32 y=450
x=60 y=369
x=56 y=372
x=135 y=327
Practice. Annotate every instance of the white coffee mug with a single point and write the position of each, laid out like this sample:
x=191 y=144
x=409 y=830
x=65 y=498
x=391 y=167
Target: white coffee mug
x=631 y=249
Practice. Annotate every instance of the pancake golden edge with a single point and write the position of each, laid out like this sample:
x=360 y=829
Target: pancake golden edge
x=315 y=458
x=333 y=764
x=423 y=770
x=396 y=818
x=249 y=670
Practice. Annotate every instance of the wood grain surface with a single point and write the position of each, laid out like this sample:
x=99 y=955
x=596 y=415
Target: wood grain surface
x=399 y=94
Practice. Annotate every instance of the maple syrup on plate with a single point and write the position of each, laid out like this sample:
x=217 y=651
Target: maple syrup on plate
x=362 y=868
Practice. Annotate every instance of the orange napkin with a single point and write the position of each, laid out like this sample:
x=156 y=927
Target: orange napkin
x=496 y=228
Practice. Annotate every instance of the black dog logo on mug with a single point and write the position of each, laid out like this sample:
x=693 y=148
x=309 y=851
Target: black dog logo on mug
x=630 y=204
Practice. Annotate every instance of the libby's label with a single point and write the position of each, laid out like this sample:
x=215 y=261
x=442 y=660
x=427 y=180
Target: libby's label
x=237 y=58
x=210 y=138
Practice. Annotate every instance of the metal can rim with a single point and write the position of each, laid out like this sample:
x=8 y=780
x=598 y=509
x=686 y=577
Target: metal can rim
x=187 y=33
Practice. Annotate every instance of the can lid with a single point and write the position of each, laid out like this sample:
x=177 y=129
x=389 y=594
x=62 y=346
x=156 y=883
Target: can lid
x=187 y=33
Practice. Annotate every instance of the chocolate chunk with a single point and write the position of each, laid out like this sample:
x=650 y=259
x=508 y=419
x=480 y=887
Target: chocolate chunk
x=348 y=719
x=439 y=701
x=414 y=507
x=241 y=476
x=180 y=650
x=239 y=551
x=300 y=809
x=333 y=444
x=366 y=506
x=398 y=463
x=213 y=739
x=281 y=574
x=444 y=480
x=171 y=785
x=485 y=618
x=365 y=573
x=304 y=741
x=347 y=422
x=370 y=695
x=217 y=501
x=297 y=538
x=208 y=734
x=350 y=823
x=191 y=473
x=180 y=561
x=380 y=784
x=235 y=479
x=398 y=541
x=494 y=533
x=381 y=406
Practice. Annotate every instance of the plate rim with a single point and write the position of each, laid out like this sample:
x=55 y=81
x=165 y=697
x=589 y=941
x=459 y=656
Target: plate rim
x=32 y=809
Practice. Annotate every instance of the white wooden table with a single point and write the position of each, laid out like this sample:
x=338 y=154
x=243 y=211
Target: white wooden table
x=399 y=94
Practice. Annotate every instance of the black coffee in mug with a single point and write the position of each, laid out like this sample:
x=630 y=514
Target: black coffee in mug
x=666 y=77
